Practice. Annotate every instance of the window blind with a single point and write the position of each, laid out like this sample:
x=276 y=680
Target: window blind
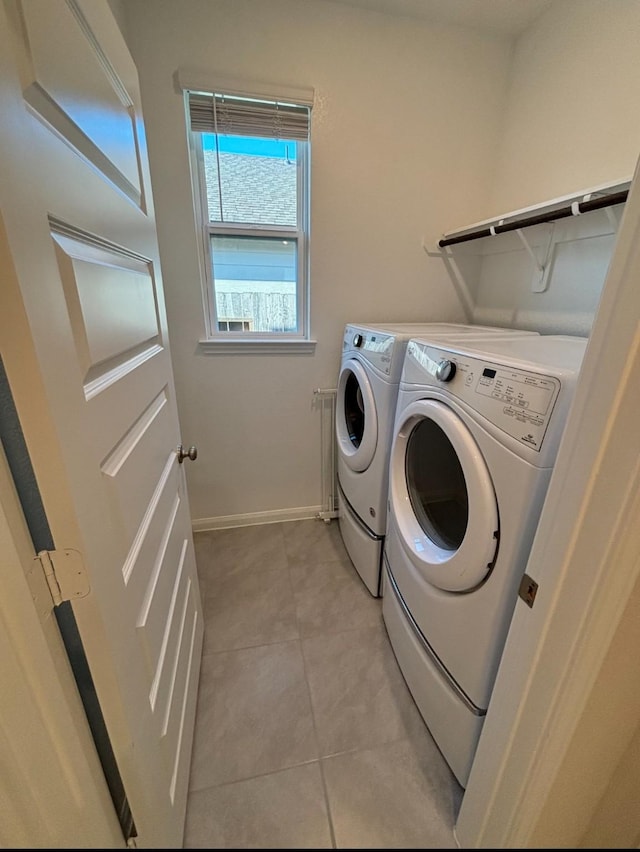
x=226 y=114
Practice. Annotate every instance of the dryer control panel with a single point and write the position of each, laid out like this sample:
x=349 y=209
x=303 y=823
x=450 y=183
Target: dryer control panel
x=519 y=402
x=513 y=399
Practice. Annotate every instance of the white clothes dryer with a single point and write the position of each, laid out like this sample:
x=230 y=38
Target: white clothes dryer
x=475 y=439
x=372 y=359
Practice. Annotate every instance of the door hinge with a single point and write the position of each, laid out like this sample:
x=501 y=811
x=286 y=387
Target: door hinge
x=65 y=574
x=528 y=589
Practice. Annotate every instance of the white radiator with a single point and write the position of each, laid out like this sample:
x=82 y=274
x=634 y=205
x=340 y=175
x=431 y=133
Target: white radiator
x=326 y=402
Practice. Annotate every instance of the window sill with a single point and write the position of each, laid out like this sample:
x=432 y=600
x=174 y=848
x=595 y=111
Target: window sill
x=257 y=347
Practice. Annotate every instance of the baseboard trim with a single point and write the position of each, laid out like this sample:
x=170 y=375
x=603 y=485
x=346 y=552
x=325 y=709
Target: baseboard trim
x=251 y=519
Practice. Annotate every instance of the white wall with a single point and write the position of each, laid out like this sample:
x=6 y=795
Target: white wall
x=571 y=123
x=404 y=132
x=571 y=120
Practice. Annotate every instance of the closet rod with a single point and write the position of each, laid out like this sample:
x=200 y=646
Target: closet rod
x=562 y=213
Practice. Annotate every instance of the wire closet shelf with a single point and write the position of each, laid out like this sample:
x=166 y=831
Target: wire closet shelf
x=552 y=211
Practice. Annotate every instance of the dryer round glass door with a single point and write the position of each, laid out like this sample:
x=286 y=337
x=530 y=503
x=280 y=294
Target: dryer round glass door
x=443 y=497
x=356 y=421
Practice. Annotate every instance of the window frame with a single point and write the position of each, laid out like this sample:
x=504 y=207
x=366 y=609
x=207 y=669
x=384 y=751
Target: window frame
x=227 y=341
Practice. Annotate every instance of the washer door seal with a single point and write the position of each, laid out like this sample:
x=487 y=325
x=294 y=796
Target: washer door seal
x=443 y=497
x=356 y=417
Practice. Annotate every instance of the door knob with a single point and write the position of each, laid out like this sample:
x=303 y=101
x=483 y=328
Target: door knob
x=191 y=453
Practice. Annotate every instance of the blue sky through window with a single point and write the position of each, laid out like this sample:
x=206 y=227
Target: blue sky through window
x=286 y=149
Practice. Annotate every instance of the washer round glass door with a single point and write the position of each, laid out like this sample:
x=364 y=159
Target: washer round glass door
x=443 y=497
x=356 y=421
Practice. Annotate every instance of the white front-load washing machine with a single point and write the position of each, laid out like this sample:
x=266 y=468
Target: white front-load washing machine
x=475 y=439
x=372 y=358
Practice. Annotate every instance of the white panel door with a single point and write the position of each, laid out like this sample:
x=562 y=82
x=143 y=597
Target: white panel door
x=85 y=347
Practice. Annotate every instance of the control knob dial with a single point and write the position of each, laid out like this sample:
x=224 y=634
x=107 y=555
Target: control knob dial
x=445 y=370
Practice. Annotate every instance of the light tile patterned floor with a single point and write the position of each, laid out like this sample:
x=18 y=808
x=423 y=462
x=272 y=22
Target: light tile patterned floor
x=306 y=735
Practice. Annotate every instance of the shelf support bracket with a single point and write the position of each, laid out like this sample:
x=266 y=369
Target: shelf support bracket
x=613 y=219
x=540 y=280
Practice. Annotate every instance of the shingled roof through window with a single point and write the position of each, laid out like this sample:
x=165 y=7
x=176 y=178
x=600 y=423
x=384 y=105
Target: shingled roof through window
x=260 y=190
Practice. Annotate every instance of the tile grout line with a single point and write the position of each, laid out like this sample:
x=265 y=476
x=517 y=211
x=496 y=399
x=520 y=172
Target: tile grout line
x=246 y=778
x=325 y=791
x=332 y=833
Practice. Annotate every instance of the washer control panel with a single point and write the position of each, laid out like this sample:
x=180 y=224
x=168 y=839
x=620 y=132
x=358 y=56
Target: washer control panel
x=517 y=401
x=376 y=347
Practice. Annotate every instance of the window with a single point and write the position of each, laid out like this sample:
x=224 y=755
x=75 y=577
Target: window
x=251 y=185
